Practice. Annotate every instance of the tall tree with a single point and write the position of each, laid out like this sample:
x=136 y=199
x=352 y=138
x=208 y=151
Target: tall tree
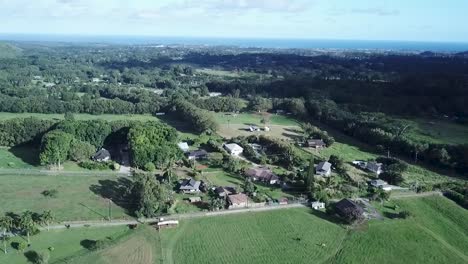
x=27 y=224
x=6 y=223
x=46 y=218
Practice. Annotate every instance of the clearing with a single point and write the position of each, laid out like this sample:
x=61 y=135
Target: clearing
x=437 y=131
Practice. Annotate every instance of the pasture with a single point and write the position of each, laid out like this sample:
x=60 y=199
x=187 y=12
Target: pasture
x=65 y=243
x=435 y=234
x=78 y=198
x=437 y=131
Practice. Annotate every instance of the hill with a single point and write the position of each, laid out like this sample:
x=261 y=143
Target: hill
x=9 y=51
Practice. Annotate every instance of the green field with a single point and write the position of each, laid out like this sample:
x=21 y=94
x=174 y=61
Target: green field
x=254 y=118
x=437 y=131
x=6 y=116
x=66 y=243
x=436 y=234
x=75 y=199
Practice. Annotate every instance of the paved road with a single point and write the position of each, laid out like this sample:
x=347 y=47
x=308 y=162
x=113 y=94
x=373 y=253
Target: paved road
x=79 y=224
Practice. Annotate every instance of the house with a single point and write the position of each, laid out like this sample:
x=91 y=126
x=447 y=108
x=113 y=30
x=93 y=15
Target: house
x=283 y=201
x=318 y=205
x=197 y=154
x=262 y=174
x=102 y=155
x=224 y=191
x=316 y=143
x=360 y=163
x=189 y=186
x=267 y=129
x=239 y=200
x=347 y=207
x=381 y=184
x=214 y=94
x=183 y=146
x=323 y=169
x=233 y=149
x=254 y=129
x=374 y=167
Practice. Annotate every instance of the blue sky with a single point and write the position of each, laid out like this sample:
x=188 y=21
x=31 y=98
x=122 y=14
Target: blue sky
x=419 y=20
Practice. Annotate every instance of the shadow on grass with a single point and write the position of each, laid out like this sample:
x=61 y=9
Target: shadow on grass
x=327 y=217
x=175 y=122
x=27 y=153
x=32 y=256
x=88 y=244
x=119 y=191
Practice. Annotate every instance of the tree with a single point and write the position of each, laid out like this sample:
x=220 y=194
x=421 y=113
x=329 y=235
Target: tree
x=151 y=197
x=55 y=147
x=248 y=187
x=337 y=163
x=6 y=223
x=383 y=195
x=46 y=218
x=22 y=246
x=27 y=224
x=216 y=203
x=80 y=150
x=392 y=177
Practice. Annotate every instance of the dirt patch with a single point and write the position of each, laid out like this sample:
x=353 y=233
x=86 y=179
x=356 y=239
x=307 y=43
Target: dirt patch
x=135 y=250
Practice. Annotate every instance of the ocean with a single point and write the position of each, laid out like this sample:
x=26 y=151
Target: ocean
x=250 y=42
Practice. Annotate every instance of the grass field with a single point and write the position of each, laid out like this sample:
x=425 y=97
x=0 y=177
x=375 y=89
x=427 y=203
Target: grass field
x=6 y=116
x=18 y=158
x=66 y=243
x=254 y=118
x=436 y=234
x=75 y=199
x=437 y=131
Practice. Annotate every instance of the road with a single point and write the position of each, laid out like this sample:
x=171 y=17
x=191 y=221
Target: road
x=79 y=224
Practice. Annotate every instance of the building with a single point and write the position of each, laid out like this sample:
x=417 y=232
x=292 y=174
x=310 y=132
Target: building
x=224 y=191
x=318 y=205
x=316 y=143
x=183 y=146
x=346 y=208
x=381 y=184
x=194 y=199
x=262 y=174
x=323 y=169
x=267 y=129
x=102 y=155
x=214 y=94
x=238 y=200
x=283 y=201
x=189 y=186
x=197 y=154
x=254 y=129
x=374 y=167
x=233 y=149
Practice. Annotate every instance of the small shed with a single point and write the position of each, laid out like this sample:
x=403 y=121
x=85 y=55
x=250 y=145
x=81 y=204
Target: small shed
x=318 y=205
x=102 y=155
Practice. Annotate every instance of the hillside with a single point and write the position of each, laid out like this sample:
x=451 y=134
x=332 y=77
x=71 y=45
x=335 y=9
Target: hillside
x=8 y=51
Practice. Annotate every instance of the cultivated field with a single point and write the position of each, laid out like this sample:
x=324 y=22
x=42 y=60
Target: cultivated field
x=66 y=243
x=79 y=197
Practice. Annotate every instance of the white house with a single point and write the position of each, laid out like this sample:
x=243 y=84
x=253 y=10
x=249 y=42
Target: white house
x=233 y=149
x=318 y=205
x=323 y=168
x=183 y=146
x=214 y=94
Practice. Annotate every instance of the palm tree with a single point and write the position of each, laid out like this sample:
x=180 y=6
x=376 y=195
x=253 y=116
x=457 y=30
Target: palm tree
x=6 y=223
x=27 y=223
x=46 y=218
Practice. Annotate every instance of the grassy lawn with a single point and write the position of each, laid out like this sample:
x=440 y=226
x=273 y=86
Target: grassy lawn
x=435 y=234
x=18 y=158
x=107 y=117
x=75 y=199
x=437 y=131
x=140 y=247
x=66 y=243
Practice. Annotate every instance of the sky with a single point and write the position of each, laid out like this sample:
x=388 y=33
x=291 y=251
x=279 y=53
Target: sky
x=413 y=20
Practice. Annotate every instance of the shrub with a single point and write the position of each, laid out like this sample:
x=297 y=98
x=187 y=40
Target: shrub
x=92 y=165
x=50 y=193
x=404 y=214
x=149 y=167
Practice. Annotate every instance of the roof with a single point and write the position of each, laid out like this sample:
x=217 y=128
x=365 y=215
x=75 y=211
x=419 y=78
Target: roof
x=101 y=154
x=378 y=182
x=316 y=142
x=324 y=166
x=346 y=205
x=374 y=166
x=198 y=153
x=233 y=147
x=189 y=184
x=238 y=198
x=183 y=146
x=261 y=173
x=228 y=190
